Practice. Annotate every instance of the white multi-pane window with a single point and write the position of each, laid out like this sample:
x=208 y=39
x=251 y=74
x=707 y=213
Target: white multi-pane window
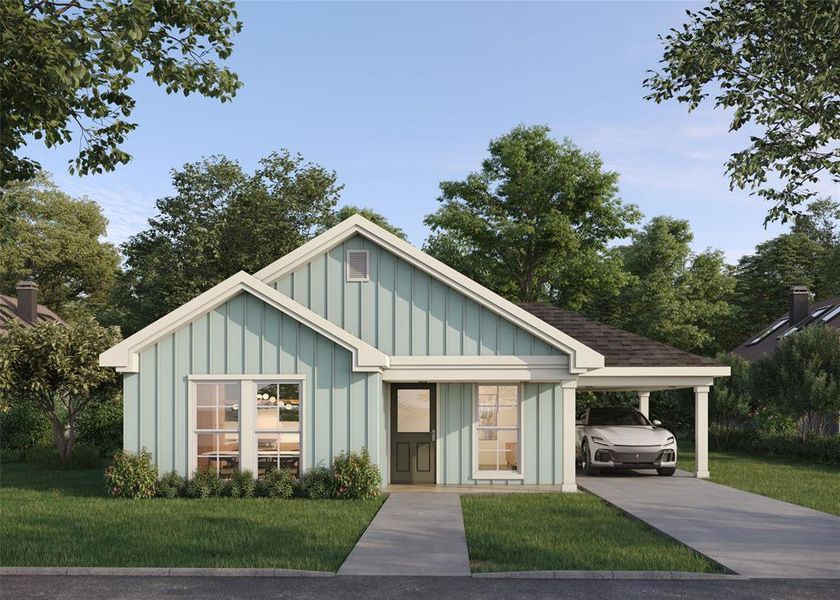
x=277 y=428
x=498 y=429
x=217 y=426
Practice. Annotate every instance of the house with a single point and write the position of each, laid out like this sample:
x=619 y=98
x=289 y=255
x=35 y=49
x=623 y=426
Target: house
x=358 y=339
x=802 y=314
x=24 y=309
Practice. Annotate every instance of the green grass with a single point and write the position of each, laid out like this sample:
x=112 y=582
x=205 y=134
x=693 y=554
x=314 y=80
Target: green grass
x=798 y=482
x=537 y=532
x=62 y=518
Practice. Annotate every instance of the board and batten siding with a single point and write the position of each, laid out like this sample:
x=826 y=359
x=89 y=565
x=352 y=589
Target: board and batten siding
x=342 y=410
x=541 y=434
x=402 y=310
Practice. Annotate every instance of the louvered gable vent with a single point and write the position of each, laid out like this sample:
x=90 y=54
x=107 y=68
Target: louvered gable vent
x=357 y=265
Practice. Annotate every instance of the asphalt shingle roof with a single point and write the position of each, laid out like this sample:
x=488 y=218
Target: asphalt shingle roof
x=619 y=347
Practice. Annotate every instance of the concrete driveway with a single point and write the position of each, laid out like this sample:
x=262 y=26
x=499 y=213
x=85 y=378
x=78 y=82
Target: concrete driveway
x=750 y=534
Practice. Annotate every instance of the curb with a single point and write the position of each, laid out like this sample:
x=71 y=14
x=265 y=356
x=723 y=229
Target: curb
x=626 y=575
x=161 y=572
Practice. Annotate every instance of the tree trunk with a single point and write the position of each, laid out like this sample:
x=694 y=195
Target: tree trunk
x=63 y=438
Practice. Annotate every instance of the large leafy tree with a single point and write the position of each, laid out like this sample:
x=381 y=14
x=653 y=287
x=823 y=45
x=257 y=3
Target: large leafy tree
x=534 y=223
x=776 y=66
x=219 y=221
x=347 y=211
x=55 y=368
x=674 y=295
x=66 y=69
x=807 y=255
x=55 y=239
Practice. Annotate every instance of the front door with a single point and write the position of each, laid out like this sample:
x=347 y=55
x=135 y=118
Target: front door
x=413 y=433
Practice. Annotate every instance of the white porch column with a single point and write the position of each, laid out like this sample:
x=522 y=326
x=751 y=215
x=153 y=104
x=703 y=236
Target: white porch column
x=701 y=431
x=569 y=395
x=644 y=403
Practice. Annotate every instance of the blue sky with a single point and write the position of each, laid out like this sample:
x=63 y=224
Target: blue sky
x=396 y=97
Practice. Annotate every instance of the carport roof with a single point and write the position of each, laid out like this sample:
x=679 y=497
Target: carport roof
x=619 y=347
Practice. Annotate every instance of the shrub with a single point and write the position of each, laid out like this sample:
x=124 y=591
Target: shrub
x=318 y=483
x=131 y=475
x=814 y=447
x=241 y=485
x=101 y=424
x=9 y=455
x=278 y=483
x=23 y=426
x=355 y=475
x=205 y=483
x=171 y=485
x=47 y=458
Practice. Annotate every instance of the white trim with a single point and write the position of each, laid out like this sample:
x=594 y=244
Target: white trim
x=347 y=254
x=125 y=355
x=478 y=475
x=477 y=368
x=438 y=463
x=582 y=357
x=647 y=379
x=709 y=371
x=248 y=376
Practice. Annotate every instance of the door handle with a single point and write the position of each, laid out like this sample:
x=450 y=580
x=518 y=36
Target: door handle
x=434 y=435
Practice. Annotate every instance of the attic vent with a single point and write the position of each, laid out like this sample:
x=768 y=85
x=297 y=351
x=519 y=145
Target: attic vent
x=357 y=265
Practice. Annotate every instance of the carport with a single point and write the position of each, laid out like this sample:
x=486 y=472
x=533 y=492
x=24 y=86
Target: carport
x=633 y=363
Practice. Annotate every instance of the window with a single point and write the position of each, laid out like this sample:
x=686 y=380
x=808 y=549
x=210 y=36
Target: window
x=358 y=263
x=217 y=424
x=498 y=429
x=414 y=410
x=277 y=428
x=830 y=315
x=768 y=331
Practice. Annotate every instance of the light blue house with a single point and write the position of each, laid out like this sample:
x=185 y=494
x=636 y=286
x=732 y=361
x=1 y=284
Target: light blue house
x=358 y=339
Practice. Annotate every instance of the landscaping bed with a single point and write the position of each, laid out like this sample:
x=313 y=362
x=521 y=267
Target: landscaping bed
x=793 y=480
x=534 y=532
x=64 y=518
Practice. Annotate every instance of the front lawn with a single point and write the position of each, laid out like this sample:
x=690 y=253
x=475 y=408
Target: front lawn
x=539 y=532
x=62 y=519
x=798 y=482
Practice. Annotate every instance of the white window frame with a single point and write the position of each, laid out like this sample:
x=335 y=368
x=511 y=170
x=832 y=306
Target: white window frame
x=347 y=264
x=247 y=415
x=511 y=475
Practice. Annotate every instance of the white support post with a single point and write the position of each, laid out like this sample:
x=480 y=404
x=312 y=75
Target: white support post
x=701 y=431
x=644 y=403
x=569 y=396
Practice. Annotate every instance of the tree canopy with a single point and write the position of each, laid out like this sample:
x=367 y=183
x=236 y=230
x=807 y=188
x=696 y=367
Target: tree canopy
x=534 y=223
x=776 y=66
x=55 y=239
x=347 y=211
x=219 y=221
x=66 y=69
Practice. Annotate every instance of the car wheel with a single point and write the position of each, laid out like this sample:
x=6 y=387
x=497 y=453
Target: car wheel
x=666 y=471
x=588 y=469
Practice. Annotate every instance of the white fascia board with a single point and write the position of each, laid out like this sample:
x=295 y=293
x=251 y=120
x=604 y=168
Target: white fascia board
x=125 y=355
x=650 y=378
x=709 y=371
x=582 y=357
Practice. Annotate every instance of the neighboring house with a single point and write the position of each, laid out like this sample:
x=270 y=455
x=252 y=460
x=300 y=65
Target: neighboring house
x=358 y=339
x=24 y=308
x=802 y=314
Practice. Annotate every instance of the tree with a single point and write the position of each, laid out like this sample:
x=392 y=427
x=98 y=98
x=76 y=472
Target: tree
x=68 y=66
x=55 y=239
x=535 y=222
x=807 y=255
x=56 y=368
x=802 y=377
x=345 y=212
x=221 y=220
x=731 y=403
x=674 y=295
x=776 y=66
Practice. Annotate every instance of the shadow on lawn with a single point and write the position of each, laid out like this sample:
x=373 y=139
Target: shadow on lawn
x=72 y=482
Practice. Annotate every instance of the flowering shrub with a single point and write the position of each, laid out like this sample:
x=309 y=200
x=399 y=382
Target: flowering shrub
x=355 y=475
x=131 y=475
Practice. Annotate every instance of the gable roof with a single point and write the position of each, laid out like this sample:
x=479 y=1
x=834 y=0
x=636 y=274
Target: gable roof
x=581 y=356
x=9 y=313
x=125 y=355
x=619 y=347
x=776 y=329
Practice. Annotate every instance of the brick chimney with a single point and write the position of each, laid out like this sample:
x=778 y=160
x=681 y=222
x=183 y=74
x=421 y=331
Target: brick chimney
x=799 y=297
x=27 y=301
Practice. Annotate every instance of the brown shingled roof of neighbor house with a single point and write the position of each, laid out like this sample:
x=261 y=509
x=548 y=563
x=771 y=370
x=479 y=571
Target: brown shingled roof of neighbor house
x=9 y=312
x=619 y=347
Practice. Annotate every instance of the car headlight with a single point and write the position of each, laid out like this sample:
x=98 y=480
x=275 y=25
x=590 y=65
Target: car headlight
x=669 y=440
x=600 y=440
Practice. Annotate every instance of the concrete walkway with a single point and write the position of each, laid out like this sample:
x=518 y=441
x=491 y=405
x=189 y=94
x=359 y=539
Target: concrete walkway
x=412 y=534
x=750 y=534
